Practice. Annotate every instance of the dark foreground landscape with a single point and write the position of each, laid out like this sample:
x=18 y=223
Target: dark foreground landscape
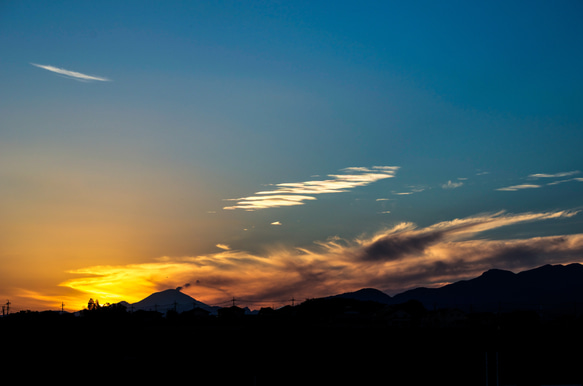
x=326 y=348
x=327 y=341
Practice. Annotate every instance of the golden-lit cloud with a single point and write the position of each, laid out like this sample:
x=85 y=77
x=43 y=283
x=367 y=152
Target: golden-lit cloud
x=392 y=260
x=295 y=193
x=263 y=202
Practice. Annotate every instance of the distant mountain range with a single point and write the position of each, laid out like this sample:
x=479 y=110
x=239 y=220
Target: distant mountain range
x=547 y=288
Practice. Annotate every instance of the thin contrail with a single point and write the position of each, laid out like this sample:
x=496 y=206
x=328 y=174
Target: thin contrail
x=71 y=74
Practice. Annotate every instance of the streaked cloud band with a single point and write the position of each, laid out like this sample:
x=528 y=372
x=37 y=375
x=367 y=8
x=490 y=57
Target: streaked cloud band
x=295 y=193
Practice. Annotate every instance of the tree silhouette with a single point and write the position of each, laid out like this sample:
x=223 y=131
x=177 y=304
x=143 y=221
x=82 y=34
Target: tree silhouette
x=92 y=305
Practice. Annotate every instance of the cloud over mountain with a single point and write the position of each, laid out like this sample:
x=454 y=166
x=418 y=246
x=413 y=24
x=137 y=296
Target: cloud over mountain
x=392 y=260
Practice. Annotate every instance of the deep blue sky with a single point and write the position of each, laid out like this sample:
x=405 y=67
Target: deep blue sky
x=197 y=104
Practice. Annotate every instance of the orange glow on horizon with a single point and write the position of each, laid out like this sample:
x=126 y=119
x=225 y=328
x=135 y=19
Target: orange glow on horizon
x=392 y=260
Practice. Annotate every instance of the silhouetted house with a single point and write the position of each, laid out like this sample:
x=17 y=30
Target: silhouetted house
x=232 y=312
x=196 y=313
x=287 y=310
x=395 y=317
x=147 y=316
x=483 y=319
x=520 y=319
x=350 y=315
x=446 y=317
x=266 y=311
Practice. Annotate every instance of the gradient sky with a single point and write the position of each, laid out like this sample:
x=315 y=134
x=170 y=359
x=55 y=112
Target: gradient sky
x=270 y=150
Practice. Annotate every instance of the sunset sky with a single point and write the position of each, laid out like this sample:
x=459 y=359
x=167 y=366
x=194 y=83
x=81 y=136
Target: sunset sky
x=276 y=150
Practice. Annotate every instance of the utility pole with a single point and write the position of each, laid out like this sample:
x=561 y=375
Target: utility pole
x=487 y=369
x=497 y=370
x=233 y=301
x=7 y=307
x=292 y=300
x=62 y=307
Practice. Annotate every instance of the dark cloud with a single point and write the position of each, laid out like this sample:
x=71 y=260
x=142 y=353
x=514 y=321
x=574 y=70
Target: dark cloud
x=396 y=246
x=538 y=251
x=182 y=287
x=428 y=274
x=465 y=260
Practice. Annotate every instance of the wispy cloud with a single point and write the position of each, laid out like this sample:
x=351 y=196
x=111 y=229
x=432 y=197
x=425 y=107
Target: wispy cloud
x=556 y=175
x=412 y=190
x=72 y=74
x=536 y=176
x=514 y=188
x=295 y=193
x=252 y=203
x=392 y=260
x=579 y=179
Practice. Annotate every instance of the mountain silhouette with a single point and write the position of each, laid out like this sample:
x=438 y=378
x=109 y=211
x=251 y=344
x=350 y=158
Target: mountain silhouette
x=170 y=299
x=546 y=288
x=366 y=294
x=549 y=287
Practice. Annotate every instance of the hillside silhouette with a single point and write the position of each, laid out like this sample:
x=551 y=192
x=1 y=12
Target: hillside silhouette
x=493 y=329
x=171 y=299
x=550 y=288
